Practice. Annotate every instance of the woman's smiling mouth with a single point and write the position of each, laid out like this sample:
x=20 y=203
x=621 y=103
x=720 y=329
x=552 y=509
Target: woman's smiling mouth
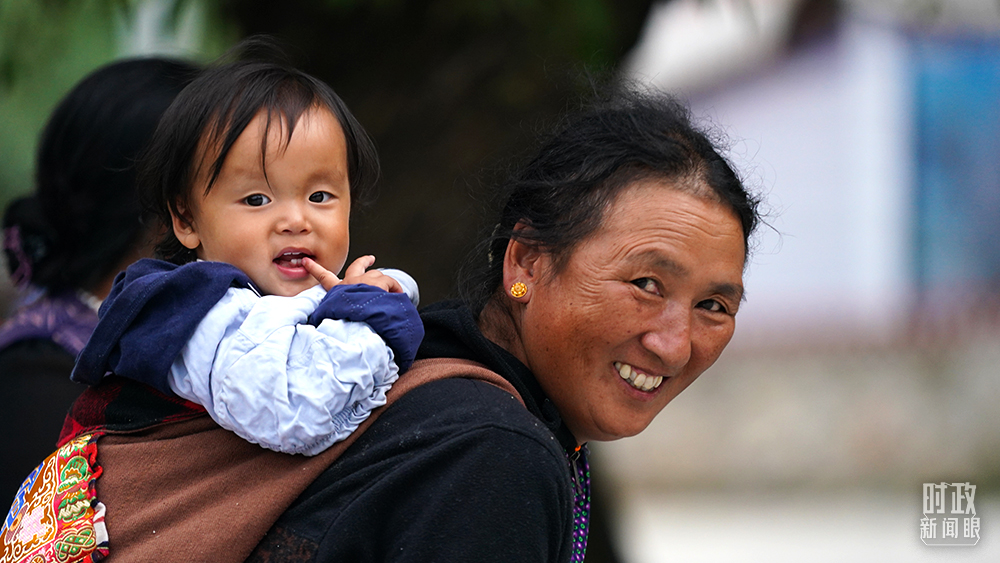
x=637 y=379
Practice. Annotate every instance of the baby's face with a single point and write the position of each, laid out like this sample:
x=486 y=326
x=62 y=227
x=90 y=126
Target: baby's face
x=265 y=227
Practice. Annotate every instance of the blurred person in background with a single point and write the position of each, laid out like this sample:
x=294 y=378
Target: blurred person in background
x=65 y=243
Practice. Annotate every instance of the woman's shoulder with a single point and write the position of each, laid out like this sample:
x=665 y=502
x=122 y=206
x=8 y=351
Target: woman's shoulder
x=462 y=395
x=426 y=435
x=460 y=405
x=455 y=431
x=452 y=459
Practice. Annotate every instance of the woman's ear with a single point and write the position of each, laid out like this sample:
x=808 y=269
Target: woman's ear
x=524 y=265
x=184 y=227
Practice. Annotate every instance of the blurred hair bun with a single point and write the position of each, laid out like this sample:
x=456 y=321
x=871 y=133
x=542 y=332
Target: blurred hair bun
x=27 y=237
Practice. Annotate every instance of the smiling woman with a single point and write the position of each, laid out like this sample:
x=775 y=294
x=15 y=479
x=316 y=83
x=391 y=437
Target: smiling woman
x=609 y=283
x=642 y=307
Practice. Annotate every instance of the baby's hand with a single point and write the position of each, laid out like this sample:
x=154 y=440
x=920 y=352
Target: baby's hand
x=355 y=273
x=325 y=277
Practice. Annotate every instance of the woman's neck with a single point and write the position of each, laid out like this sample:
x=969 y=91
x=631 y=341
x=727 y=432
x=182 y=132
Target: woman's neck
x=499 y=325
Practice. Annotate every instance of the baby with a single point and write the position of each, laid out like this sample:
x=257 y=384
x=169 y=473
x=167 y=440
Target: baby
x=254 y=169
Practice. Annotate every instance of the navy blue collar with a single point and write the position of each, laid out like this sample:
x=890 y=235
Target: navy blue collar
x=153 y=309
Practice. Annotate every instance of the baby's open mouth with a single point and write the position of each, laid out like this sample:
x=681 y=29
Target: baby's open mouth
x=291 y=259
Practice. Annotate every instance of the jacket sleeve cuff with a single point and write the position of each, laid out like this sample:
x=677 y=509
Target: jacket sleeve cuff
x=391 y=315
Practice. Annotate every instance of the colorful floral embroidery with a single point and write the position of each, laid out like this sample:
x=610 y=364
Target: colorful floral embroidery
x=55 y=515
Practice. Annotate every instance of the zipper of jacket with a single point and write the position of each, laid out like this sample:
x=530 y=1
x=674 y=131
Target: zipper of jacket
x=574 y=456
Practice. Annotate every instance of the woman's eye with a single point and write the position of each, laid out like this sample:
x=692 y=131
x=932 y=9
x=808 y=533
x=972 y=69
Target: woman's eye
x=647 y=284
x=713 y=306
x=320 y=197
x=256 y=200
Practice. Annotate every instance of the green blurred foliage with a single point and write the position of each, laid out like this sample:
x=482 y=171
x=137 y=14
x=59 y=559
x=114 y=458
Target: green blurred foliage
x=47 y=46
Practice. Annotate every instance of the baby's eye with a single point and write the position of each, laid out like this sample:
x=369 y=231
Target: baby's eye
x=256 y=200
x=320 y=197
x=647 y=284
x=713 y=306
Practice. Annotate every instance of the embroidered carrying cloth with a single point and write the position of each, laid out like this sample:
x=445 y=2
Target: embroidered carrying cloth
x=55 y=515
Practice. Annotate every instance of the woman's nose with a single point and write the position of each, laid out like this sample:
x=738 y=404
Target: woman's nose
x=670 y=339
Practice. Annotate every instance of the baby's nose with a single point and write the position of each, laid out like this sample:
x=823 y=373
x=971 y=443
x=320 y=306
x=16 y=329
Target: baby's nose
x=293 y=220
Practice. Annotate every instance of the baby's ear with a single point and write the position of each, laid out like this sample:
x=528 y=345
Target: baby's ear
x=184 y=227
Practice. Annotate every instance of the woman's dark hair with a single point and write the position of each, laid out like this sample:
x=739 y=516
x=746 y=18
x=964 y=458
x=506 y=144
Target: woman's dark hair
x=561 y=194
x=84 y=217
x=211 y=113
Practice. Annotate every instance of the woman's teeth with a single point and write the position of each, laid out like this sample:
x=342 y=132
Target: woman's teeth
x=638 y=380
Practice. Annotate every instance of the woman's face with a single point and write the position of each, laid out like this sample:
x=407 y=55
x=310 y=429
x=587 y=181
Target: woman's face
x=642 y=307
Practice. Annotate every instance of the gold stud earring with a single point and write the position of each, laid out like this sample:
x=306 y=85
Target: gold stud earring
x=518 y=290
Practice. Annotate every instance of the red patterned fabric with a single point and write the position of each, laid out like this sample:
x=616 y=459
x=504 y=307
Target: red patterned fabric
x=120 y=405
x=56 y=516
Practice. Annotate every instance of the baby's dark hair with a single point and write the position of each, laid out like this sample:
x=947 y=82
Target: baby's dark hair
x=213 y=111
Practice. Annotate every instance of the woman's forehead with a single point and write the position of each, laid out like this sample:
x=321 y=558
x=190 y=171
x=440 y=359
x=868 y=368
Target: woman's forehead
x=651 y=222
x=682 y=201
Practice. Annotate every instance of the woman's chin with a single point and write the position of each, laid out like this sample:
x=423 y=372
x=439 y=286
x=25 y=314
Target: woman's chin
x=624 y=426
